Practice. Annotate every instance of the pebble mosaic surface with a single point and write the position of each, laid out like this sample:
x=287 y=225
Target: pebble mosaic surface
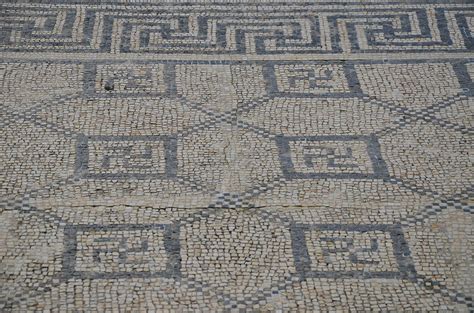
x=233 y=156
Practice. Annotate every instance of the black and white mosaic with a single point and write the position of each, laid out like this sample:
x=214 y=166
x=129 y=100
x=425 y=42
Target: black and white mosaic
x=331 y=157
x=337 y=250
x=233 y=156
x=114 y=251
x=237 y=29
x=126 y=157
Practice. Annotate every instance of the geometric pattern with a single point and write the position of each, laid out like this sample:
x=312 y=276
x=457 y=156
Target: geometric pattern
x=89 y=249
x=172 y=28
x=331 y=156
x=236 y=156
x=122 y=157
x=360 y=248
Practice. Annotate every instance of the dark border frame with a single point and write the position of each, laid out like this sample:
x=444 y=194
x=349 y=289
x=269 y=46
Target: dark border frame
x=171 y=245
x=82 y=157
x=401 y=251
x=373 y=149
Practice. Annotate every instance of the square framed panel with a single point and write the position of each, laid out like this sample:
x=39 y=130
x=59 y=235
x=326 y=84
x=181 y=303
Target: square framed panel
x=340 y=250
x=114 y=157
x=342 y=157
x=122 y=250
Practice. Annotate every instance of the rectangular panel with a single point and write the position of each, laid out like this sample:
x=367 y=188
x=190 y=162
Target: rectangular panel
x=126 y=157
x=331 y=157
x=357 y=251
x=113 y=251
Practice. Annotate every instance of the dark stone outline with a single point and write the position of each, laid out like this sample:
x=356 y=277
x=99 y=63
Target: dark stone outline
x=260 y=49
x=348 y=69
x=400 y=251
x=86 y=42
x=390 y=32
x=82 y=156
x=373 y=149
x=89 y=79
x=171 y=245
x=458 y=65
x=464 y=78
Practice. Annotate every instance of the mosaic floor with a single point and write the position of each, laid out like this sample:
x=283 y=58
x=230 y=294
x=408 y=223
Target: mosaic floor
x=229 y=156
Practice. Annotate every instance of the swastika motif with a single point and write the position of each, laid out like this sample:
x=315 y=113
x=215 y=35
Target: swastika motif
x=125 y=79
x=121 y=251
x=367 y=251
x=331 y=156
x=122 y=157
x=301 y=80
